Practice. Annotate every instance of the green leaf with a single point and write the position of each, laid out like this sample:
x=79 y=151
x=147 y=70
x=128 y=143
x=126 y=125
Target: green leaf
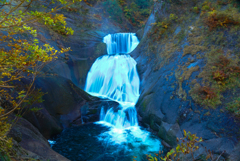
x=21 y=95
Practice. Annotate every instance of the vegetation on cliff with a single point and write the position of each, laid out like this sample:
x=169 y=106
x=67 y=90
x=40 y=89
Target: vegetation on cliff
x=195 y=46
x=135 y=11
x=201 y=29
x=22 y=57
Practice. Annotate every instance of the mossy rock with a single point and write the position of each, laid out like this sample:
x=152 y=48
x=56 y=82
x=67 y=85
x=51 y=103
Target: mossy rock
x=101 y=49
x=168 y=136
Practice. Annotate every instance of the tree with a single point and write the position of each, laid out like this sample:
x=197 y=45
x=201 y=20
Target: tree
x=21 y=56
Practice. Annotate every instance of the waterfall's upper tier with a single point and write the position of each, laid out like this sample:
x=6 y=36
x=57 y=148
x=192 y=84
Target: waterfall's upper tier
x=116 y=78
x=121 y=43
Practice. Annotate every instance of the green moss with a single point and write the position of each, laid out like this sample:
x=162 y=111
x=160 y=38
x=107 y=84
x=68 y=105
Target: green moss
x=144 y=105
x=182 y=76
x=180 y=36
x=136 y=11
x=153 y=125
x=193 y=49
x=234 y=106
x=168 y=136
x=114 y=10
x=207 y=114
x=100 y=49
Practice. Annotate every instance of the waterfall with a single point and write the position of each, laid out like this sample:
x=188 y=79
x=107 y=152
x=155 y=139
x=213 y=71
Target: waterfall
x=102 y=114
x=114 y=76
x=121 y=43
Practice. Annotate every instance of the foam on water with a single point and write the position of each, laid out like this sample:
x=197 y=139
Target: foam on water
x=51 y=142
x=114 y=77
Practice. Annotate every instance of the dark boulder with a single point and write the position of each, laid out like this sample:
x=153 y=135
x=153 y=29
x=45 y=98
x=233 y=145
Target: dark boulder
x=30 y=144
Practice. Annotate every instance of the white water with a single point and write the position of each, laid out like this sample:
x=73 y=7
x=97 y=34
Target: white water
x=115 y=77
x=121 y=43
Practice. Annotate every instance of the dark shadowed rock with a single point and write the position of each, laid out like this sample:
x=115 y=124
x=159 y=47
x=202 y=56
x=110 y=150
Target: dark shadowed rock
x=43 y=121
x=32 y=144
x=64 y=105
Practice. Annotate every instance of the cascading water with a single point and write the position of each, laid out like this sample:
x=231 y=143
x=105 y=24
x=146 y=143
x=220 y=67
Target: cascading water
x=121 y=43
x=114 y=76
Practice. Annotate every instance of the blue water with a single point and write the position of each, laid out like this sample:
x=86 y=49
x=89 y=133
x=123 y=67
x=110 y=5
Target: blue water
x=82 y=143
x=114 y=76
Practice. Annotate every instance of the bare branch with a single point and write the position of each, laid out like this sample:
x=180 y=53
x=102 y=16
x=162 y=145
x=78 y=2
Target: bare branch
x=1 y=86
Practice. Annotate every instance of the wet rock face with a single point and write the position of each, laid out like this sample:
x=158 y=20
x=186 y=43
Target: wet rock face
x=29 y=143
x=165 y=104
x=64 y=105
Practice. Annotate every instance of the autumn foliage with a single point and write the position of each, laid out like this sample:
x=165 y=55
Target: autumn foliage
x=219 y=20
x=21 y=56
x=187 y=146
x=214 y=18
x=207 y=92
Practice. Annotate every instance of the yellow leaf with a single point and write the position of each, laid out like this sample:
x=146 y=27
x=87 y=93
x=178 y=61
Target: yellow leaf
x=185 y=133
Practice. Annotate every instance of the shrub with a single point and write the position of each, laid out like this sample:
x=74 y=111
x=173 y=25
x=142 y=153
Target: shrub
x=234 y=106
x=226 y=18
x=114 y=10
x=185 y=150
x=220 y=74
x=5 y=142
x=21 y=56
x=136 y=11
x=188 y=146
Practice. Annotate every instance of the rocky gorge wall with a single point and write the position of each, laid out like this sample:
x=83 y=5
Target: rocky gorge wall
x=177 y=60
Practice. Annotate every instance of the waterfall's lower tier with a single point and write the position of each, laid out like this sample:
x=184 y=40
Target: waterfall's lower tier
x=120 y=118
x=94 y=142
x=114 y=77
